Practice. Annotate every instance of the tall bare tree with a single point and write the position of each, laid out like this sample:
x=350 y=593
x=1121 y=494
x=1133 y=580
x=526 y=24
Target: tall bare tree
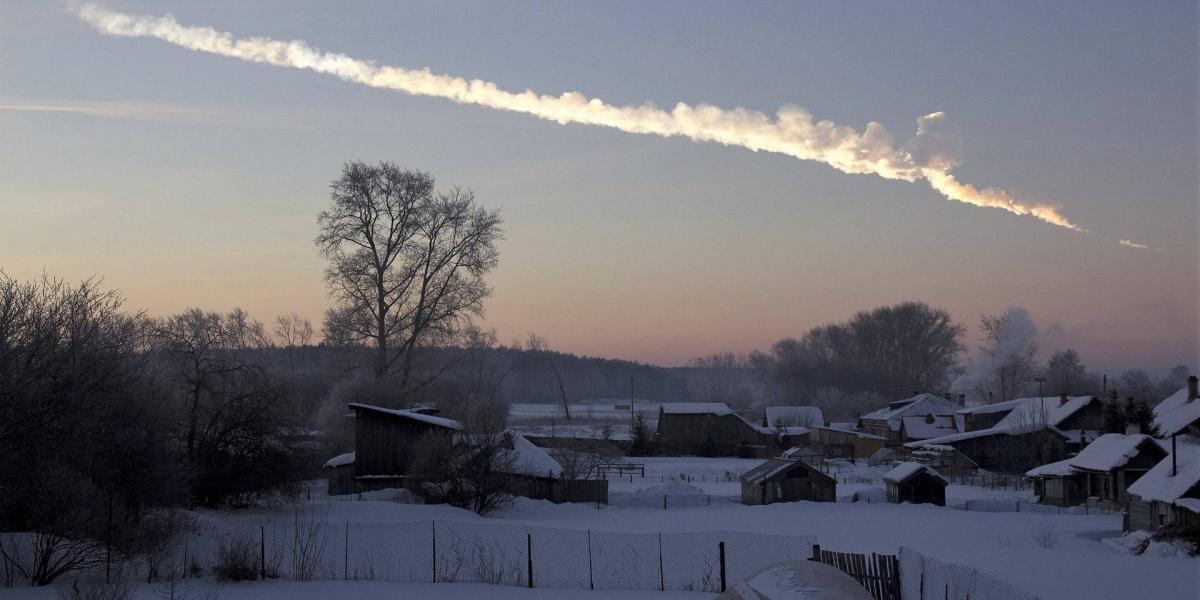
x=406 y=263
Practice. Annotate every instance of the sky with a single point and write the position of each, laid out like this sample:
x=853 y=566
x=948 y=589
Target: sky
x=188 y=179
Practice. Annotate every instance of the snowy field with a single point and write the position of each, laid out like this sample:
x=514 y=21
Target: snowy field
x=587 y=419
x=1051 y=555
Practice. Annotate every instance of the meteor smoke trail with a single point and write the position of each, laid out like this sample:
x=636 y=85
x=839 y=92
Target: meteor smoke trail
x=930 y=155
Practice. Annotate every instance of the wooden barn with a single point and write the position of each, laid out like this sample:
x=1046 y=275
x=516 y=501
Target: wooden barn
x=1169 y=493
x=840 y=443
x=701 y=428
x=386 y=438
x=786 y=480
x=915 y=483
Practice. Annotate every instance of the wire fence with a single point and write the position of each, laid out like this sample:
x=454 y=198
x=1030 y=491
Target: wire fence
x=668 y=501
x=463 y=552
x=1032 y=506
x=924 y=578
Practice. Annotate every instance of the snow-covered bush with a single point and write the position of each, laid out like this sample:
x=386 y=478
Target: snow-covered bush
x=237 y=559
x=96 y=590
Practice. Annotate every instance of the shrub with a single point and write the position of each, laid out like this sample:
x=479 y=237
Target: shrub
x=96 y=590
x=237 y=559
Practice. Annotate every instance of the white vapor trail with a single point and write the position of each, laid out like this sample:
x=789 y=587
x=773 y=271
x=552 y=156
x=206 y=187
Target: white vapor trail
x=930 y=155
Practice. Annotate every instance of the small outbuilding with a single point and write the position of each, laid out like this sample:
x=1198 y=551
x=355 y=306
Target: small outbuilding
x=786 y=480
x=1169 y=493
x=915 y=483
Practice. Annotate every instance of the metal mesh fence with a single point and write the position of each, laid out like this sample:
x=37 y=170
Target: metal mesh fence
x=451 y=551
x=924 y=578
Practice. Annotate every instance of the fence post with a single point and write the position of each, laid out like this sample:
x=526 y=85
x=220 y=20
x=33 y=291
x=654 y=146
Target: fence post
x=529 y=555
x=591 y=581
x=262 y=552
x=721 y=554
x=434 y=538
x=346 y=554
x=662 y=581
x=664 y=502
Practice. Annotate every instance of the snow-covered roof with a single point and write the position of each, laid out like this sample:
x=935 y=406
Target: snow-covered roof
x=921 y=404
x=1111 y=451
x=529 y=459
x=907 y=470
x=408 y=414
x=773 y=467
x=927 y=426
x=1192 y=504
x=844 y=425
x=1025 y=415
x=1159 y=484
x=799 y=451
x=1061 y=468
x=1174 y=414
x=340 y=460
x=794 y=415
x=696 y=408
x=859 y=434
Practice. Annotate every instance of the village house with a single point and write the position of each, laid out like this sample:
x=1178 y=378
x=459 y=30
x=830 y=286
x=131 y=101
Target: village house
x=1103 y=470
x=915 y=483
x=840 y=443
x=1169 y=493
x=1017 y=435
x=705 y=428
x=946 y=460
x=888 y=421
x=786 y=480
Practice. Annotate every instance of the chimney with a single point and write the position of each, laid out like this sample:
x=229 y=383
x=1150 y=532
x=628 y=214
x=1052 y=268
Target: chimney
x=1062 y=398
x=1192 y=393
x=962 y=400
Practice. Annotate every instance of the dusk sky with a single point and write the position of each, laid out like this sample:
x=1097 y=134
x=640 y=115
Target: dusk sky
x=185 y=178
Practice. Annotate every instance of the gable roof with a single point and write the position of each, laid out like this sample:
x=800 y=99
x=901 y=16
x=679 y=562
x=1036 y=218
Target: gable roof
x=907 y=470
x=927 y=426
x=1159 y=484
x=799 y=451
x=1061 y=468
x=794 y=415
x=1111 y=451
x=921 y=404
x=408 y=414
x=696 y=408
x=340 y=460
x=775 y=466
x=1174 y=414
x=530 y=459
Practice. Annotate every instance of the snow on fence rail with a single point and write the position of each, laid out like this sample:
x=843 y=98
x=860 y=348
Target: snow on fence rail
x=924 y=578
x=452 y=551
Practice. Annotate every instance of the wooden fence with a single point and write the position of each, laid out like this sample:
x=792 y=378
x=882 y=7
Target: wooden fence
x=878 y=573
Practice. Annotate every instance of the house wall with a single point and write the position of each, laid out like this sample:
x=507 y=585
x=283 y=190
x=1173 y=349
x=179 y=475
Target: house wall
x=1013 y=453
x=842 y=444
x=882 y=429
x=1088 y=417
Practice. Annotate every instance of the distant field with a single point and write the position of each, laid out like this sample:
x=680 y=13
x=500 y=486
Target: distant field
x=587 y=419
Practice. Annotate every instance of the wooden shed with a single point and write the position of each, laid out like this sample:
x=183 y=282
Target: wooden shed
x=385 y=440
x=786 y=480
x=915 y=483
x=1057 y=484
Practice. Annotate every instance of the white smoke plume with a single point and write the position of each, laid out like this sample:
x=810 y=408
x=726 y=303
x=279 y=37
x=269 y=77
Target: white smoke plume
x=1014 y=345
x=930 y=155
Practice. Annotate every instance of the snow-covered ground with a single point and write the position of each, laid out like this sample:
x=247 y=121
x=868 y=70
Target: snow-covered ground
x=203 y=589
x=1051 y=555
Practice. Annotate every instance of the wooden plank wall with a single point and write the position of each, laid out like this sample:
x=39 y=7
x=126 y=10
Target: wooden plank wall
x=878 y=573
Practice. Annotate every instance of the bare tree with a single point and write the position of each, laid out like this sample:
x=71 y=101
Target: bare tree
x=293 y=331
x=406 y=264
x=537 y=346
